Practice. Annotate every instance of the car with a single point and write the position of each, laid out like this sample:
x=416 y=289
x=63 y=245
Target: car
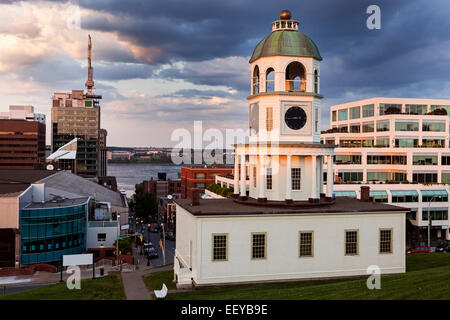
x=154 y=229
x=418 y=250
x=147 y=246
x=152 y=253
x=443 y=248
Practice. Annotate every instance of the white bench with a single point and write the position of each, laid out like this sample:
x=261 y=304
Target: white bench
x=161 y=293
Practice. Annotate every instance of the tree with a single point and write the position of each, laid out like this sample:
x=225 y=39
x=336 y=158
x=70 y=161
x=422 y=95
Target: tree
x=146 y=205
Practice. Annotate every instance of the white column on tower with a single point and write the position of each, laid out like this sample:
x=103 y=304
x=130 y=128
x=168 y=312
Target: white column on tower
x=314 y=177
x=236 y=174
x=330 y=176
x=262 y=180
x=288 y=178
x=243 y=176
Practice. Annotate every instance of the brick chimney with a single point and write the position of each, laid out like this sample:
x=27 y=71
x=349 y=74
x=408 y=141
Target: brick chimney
x=195 y=197
x=365 y=193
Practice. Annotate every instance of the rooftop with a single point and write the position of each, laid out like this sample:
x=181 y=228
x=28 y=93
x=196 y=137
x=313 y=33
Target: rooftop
x=229 y=207
x=57 y=203
x=14 y=182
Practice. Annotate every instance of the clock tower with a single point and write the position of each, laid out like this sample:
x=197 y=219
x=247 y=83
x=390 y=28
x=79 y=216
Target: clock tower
x=284 y=158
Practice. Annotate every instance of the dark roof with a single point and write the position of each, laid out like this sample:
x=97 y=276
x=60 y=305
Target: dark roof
x=219 y=207
x=108 y=180
x=13 y=182
x=286 y=43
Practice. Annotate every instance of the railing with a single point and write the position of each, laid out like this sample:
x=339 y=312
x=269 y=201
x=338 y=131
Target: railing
x=296 y=85
x=270 y=85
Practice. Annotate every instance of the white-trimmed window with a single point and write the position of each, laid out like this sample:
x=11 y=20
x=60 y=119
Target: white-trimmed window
x=385 y=240
x=220 y=247
x=254 y=176
x=269 y=178
x=306 y=244
x=296 y=174
x=259 y=245
x=269 y=119
x=351 y=242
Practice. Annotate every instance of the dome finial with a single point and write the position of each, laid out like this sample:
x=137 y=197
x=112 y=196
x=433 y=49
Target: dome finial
x=285 y=15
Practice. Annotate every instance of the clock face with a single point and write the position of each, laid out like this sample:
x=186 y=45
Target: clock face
x=295 y=118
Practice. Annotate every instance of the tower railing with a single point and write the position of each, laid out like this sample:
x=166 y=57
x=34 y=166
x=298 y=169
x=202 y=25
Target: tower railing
x=296 y=85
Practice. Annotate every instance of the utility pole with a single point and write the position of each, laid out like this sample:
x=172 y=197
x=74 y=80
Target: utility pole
x=164 y=246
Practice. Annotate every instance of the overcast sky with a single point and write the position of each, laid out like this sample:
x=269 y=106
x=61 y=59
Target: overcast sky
x=160 y=65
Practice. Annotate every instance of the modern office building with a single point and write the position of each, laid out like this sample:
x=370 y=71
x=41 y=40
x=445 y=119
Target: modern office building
x=400 y=147
x=284 y=228
x=103 y=161
x=77 y=115
x=200 y=177
x=53 y=213
x=22 y=144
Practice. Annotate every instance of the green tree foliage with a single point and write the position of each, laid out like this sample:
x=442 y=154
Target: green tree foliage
x=145 y=204
x=217 y=189
x=125 y=246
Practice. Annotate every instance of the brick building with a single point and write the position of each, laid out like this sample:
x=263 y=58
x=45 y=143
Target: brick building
x=161 y=188
x=199 y=178
x=22 y=144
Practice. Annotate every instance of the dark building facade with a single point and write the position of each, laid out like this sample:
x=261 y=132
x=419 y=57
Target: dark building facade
x=161 y=188
x=22 y=144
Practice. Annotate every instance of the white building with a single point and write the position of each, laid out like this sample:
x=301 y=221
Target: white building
x=284 y=228
x=23 y=113
x=389 y=143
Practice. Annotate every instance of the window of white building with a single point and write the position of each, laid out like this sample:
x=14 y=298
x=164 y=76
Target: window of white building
x=220 y=247
x=351 y=242
x=296 y=178
x=269 y=178
x=385 y=241
x=259 y=245
x=306 y=244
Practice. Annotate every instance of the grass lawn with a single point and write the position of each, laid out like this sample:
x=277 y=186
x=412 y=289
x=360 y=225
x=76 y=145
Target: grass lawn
x=156 y=280
x=106 y=288
x=427 y=277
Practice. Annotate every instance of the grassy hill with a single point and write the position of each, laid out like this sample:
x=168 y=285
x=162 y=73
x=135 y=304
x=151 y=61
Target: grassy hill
x=427 y=277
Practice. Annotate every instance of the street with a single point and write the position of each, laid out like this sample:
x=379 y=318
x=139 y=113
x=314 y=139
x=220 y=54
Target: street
x=154 y=239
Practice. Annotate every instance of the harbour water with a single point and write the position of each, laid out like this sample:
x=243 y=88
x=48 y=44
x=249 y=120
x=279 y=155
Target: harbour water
x=128 y=175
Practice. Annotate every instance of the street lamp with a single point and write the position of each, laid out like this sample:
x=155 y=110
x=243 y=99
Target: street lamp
x=117 y=241
x=164 y=246
x=429 y=219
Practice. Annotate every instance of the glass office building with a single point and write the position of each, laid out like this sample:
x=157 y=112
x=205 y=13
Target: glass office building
x=52 y=229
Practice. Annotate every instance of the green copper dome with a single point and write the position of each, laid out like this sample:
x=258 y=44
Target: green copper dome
x=286 y=43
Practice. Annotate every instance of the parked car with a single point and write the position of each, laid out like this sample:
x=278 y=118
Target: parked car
x=147 y=246
x=152 y=253
x=443 y=248
x=418 y=250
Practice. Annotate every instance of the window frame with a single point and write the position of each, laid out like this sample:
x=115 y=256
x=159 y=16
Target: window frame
x=300 y=243
x=212 y=247
x=299 y=179
x=357 y=242
x=252 y=245
x=269 y=119
x=391 y=251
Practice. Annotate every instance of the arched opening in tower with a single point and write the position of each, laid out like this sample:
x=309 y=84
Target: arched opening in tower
x=295 y=77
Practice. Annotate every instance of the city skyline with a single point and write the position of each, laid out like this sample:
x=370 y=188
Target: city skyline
x=160 y=68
